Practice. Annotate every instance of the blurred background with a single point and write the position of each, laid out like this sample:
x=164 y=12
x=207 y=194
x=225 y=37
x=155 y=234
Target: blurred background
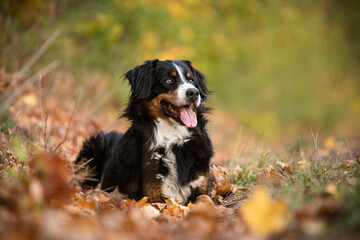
x=276 y=67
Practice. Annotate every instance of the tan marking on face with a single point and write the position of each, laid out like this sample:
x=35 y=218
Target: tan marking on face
x=153 y=191
x=155 y=106
x=188 y=75
x=173 y=74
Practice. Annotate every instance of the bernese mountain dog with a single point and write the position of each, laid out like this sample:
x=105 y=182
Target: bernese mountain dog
x=166 y=152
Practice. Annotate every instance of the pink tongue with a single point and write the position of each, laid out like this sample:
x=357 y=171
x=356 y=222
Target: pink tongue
x=188 y=117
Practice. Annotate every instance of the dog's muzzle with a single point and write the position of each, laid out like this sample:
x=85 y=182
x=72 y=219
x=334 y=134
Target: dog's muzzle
x=193 y=95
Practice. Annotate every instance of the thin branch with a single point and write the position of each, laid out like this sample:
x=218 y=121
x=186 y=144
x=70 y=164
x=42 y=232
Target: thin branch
x=348 y=145
x=43 y=118
x=24 y=70
x=22 y=88
x=315 y=138
x=45 y=131
x=56 y=148
x=72 y=114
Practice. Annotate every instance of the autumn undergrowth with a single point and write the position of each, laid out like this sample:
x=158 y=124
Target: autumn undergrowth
x=318 y=183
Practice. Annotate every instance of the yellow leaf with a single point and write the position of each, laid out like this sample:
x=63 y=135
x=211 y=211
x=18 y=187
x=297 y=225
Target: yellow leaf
x=264 y=215
x=330 y=142
x=30 y=99
x=332 y=190
x=303 y=164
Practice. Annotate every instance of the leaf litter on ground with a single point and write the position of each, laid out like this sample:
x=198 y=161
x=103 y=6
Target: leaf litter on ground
x=40 y=197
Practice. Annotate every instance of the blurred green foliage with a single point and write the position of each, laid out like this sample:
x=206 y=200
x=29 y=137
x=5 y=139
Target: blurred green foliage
x=278 y=66
x=19 y=149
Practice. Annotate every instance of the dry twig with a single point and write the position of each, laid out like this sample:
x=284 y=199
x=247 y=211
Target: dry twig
x=22 y=88
x=24 y=70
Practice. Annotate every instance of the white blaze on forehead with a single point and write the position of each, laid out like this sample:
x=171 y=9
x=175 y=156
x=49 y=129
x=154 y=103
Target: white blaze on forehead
x=182 y=100
x=179 y=70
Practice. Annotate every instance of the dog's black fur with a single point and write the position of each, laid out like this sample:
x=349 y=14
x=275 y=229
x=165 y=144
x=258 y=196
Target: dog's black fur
x=127 y=160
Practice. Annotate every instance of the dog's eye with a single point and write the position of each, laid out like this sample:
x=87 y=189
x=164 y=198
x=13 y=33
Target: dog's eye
x=169 y=81
x=191 y=81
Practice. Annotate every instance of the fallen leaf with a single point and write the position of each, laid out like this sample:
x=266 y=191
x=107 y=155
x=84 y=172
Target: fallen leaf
x=348 y=164
x=330 y=142
x=332 y=190
x=271 y=171
x=220 y=180
x=53 y=173
x=173 y=208
x=150 y=211
x=101 y=198
x=85 y=204
x=36 y=190
x=142 y=202
x=264 y=215
x=285 y=167
x=116 y=197
x=204 y=208
x=128 y=204
x=303 y=164
x=29 y=99
x=159 y=206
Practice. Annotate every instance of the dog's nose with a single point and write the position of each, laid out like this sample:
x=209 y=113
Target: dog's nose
x=192 y=94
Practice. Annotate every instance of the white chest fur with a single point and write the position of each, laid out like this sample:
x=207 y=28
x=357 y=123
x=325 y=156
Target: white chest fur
x=166 y=135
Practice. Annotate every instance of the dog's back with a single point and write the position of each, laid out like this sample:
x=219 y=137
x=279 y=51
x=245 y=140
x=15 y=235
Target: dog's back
x=96 y=152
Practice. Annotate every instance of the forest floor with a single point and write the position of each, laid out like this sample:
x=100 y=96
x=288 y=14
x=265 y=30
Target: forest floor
x=258 y=191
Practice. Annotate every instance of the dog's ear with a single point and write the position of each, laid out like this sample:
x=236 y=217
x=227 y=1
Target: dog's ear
x=201 y=80
x=141 y=79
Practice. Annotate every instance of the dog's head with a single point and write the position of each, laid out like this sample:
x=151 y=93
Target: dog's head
x=172 y=90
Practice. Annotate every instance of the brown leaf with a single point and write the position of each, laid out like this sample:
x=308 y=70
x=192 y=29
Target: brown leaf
x=204 y=208
x=53 y=173
x=271 y=171
x=349 y=164
x=220 y=180
x=283 y=166
x=129 y=204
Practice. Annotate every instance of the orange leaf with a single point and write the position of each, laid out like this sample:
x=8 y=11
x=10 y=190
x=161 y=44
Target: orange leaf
x=142 y=202
x=173 y=208
x=101 y=198
x=85 y=204
x=285 y=167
